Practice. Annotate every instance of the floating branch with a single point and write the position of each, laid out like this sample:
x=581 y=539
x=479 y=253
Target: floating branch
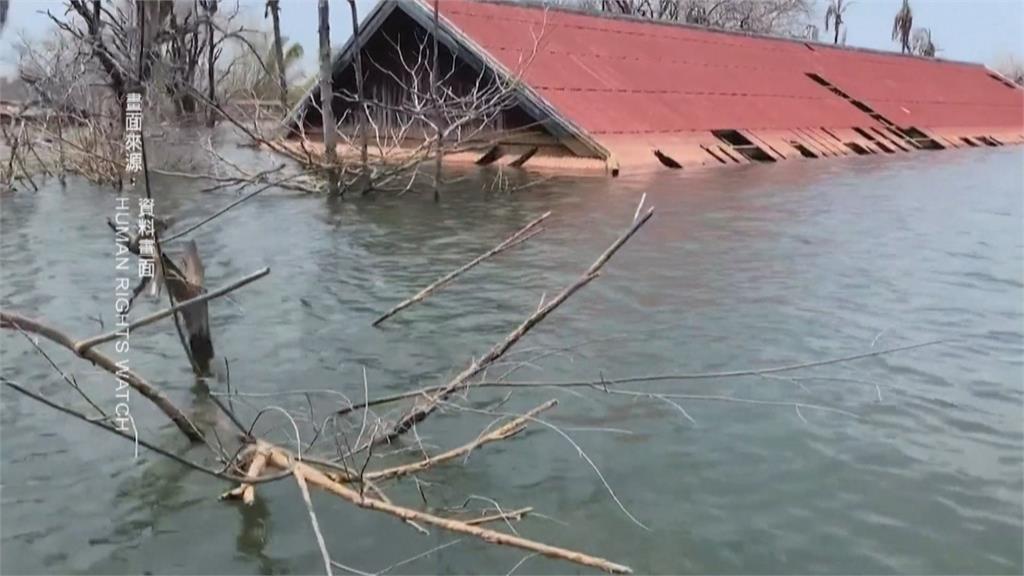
x=313 y=476
x=246 y=491
x=424 y=408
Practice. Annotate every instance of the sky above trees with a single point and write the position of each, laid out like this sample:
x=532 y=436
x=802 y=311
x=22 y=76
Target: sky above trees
x=974 y=30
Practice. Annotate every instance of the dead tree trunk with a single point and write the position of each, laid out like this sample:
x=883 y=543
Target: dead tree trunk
x=94 y=24
x=360 y=104
x=438 y=114
x=185 y=284
x=211 y=9
x=327 y=96
x=274 y=8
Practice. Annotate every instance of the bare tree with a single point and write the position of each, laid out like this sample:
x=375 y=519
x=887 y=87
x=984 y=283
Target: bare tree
x=902 y=25
x=181 y=40
x=1011 y=67
x=210 y=7
x=761 y=16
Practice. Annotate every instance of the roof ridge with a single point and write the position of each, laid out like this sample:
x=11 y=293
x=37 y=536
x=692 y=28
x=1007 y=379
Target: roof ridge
x=548 y=5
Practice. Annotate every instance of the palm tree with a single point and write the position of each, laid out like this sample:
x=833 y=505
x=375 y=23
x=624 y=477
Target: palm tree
x=274 y=78
x=273 y=9
x=1011 y=68
x=834 y=16
x=254 y=73
x=901 y=26
x=921 y=43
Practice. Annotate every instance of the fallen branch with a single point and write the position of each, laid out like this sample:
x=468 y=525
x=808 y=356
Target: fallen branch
x=16 y=321
x=87 y=344
x=281 y=460
x=161 y=451
x=520 y=236
x=245 y=490
x=423 y=409
x=509 y=429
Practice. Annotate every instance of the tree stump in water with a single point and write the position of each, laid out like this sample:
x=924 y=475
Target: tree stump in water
x=185 y=282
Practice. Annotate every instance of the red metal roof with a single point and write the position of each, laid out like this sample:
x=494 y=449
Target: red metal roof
x=616 y=76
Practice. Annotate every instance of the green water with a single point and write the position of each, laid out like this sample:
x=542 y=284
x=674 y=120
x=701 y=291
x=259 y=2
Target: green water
x=740 y=268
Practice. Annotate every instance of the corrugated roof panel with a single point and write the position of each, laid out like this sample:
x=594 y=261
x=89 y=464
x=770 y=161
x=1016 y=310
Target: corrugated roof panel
x=621 y=76
x=632 y=112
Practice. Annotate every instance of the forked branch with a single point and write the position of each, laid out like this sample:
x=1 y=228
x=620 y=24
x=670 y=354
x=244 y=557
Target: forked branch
x=11 y=320
x=429 y=404
x=313 y=476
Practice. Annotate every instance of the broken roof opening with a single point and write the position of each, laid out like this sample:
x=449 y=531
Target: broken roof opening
x=857 y=148
x=743 y=145
x=922 y=140
x=803 y=150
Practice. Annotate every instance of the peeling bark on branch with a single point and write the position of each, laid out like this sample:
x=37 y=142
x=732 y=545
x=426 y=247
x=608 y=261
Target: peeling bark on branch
x=315 y=477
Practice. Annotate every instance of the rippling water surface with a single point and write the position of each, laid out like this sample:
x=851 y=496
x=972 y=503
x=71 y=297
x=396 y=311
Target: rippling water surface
x=751 y=267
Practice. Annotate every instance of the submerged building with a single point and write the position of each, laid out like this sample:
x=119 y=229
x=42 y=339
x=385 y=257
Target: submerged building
x=622 y=94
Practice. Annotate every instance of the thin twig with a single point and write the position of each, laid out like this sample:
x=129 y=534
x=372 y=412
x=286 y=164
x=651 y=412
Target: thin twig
x=220 y=212
x=84 y=345
x=71 y=381
x=517 y=514
x=12 y=320
x=301 y=481
x=512 y=428
x=512 y=241
x=418 y=556
x=130 y=437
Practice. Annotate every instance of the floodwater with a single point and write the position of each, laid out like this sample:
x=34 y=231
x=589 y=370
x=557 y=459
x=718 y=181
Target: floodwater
x=740 y=268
